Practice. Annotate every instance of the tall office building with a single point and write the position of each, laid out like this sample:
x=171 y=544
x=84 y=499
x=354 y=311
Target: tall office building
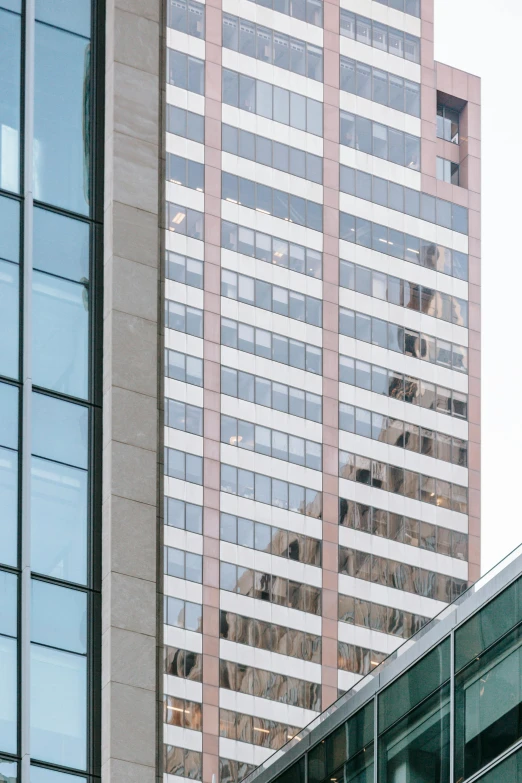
x=239 y=371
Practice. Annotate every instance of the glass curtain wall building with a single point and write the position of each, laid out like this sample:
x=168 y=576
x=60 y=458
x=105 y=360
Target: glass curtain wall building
x=51 y=209
x=239 y=371
x=444 y=708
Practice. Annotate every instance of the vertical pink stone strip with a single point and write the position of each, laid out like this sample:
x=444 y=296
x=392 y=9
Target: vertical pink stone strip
x=330 y=354
x=470 y=171
x=466 y=89
x=211 y=399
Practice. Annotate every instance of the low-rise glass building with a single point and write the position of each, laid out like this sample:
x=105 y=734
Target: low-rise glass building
x=446 y=707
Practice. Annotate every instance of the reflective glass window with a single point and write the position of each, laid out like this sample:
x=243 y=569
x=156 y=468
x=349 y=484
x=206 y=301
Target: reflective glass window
x=350 y=744
x=8 y=771
x=43 y=775
x=8 y=604
x=399 y=245
x=9 y=506
x=185 y=516
x=9 y=418
x=9 y=229
x=508 y=771
x=459 y=218
x=58 y=616
x=448 y=124
x=58 y=706
x=420 y=740
x=8 y=689
x=60 y=430
x=488 y=625
x=273 y=102
x=62 y=119
x=230 y=86
x=61 y=246
x=488 y=690
x=384 y=38
x=59 y=520
x=10 y=99
x=8 y=665
x=415 y=685
x=60 y=335
x=74 y=17
x=9 y=319
x=12 y=5
x=488 y=698
x=195 y=75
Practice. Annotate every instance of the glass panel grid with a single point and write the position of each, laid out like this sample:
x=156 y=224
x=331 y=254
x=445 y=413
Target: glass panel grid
x=60 y=265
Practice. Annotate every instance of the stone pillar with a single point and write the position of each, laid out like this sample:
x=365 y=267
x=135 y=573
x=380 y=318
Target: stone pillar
x=330 y=354
x=212 y=387
x=130 y=391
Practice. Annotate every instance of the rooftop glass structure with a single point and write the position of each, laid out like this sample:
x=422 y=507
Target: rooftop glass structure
x=443 y=708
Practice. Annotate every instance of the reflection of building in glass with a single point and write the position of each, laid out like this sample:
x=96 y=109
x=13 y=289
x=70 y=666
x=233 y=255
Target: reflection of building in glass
x=239 y=371
x=322 y=353
x=446 y=707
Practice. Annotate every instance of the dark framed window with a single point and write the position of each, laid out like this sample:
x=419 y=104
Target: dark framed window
x=448 y=122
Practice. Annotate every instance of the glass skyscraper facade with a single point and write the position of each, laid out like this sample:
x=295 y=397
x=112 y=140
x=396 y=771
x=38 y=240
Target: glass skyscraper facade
x=239 y=371
x=50 y=372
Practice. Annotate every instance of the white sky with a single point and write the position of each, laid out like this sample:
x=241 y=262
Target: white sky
x=484 y=38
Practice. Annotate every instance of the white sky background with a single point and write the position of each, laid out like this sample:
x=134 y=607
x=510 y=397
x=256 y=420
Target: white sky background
x=484 y=38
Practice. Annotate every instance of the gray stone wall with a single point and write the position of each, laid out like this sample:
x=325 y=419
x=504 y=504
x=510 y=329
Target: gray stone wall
x=130 y=391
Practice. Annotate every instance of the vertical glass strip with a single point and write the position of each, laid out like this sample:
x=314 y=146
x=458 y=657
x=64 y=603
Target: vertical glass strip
x=10 y=95
x=26 y=392
x=62 y=127
x=58 y=674
x=61 y=304
x=9 y=283
x=9 y=404
x=8 y=663
x=56 y=594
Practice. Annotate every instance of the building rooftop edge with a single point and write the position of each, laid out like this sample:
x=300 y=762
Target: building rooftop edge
x=459 y=70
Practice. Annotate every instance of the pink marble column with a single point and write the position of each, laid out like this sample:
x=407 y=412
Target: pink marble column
x=465 y=89
x=212 y=383
x=330 y=354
